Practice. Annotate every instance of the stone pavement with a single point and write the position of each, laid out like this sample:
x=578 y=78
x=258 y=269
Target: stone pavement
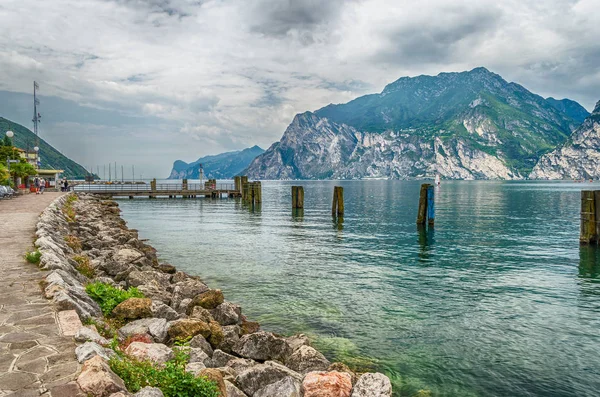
x=35 y=359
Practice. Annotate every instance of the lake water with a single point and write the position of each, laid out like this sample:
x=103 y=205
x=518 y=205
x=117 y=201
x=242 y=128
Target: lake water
x=498 y=300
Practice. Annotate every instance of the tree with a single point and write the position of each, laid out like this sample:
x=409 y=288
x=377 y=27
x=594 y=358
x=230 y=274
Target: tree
x=22 y=170
x=5 y=142
x=4 y=175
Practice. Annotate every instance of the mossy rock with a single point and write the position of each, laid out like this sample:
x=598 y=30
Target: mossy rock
x=208 y=300
x=216 y=334
x=188 y=328
x=249 y=327
x=133 y=308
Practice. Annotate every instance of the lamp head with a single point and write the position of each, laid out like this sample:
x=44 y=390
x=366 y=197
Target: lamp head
x=10 y=134
x=37 y=149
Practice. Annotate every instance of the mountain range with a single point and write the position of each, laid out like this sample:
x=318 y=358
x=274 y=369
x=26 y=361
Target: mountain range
x=50 y=158
x=468 y=125
x=220 y=166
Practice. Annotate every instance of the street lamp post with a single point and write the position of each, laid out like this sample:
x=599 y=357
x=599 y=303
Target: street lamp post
x=37 y=157
x=10 y=135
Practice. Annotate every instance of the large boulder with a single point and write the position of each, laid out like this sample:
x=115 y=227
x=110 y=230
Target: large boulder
x=198 y=355
x=187 y=289
x=216 y=334
x=195 y=368
x=137 y=278
x=155 y=292
x=98 y=380
x=297 y=341
x=89 y=334
x=327 y=384
x=160 y=309
x=307 y=359
x=200 y=313
x=155 y=327
x=226 y=313
x=263 y=346
x=209 y=299
x=126 y=256
x=233 y=391
x=258 y=376
x=220 y=359
x=91 y=349
x=249 y=327
x=215 y=376
x=149 y=392
x=133 y=308
x=372 y=385
x=188 y=328
x=231 y=336
x=199 y=341
x=341 y=367
x=155 y=352
x=239 y=365
x=286 y=387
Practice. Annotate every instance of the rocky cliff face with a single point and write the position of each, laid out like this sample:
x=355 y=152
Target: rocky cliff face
x=578 y=158
x=470 y=125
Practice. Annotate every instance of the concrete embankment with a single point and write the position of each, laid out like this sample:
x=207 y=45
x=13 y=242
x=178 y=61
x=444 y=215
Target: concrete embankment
x=86 y=245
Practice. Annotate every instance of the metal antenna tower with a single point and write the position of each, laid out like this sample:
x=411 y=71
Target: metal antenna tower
x=36 y=120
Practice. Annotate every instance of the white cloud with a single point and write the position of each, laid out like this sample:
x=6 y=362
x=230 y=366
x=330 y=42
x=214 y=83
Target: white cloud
x=225 y=74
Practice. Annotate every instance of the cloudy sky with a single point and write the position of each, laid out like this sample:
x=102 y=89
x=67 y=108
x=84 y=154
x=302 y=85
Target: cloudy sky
x=146 y=82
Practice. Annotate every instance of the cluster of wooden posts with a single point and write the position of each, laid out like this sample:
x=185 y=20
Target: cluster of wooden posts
x=251 y=191
x=337 y=206
x=590 y=217
x=426 y=212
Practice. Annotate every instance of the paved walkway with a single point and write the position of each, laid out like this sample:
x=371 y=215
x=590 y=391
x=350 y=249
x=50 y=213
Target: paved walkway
x=34 y=358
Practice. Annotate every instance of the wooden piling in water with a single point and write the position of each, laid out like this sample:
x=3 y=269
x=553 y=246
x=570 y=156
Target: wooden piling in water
x=337 y=206
x=297 y=197
x=431 y=205
x=422 y=212
x=588 y=233
x=237 y=181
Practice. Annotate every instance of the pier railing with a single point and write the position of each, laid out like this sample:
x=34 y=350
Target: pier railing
x=147 y=187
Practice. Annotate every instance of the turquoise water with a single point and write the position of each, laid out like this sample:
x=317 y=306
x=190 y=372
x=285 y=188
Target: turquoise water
x=498 y=300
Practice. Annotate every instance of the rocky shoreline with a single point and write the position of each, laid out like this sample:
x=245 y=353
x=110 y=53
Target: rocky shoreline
x=84 y=242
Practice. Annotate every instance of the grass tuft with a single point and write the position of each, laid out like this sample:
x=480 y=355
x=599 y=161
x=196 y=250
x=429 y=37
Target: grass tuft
x=33 y=257
x=84 y=267
x=73 y=242
x=108 y=297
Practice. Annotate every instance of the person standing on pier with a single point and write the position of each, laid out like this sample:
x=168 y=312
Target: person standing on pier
x=42 y=185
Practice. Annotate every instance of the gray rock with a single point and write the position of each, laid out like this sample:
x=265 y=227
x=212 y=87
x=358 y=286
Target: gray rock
x=154 y=291
x=200 y=342
x=137 y=278
x=233 y=391
x=240 y=365
x=231 y=337
x=155 y=327
x=149 y=392
x=71 y=299
x=307 y=359
x=155 y=352
x=297 y=341
x=263 y=346
x=220 y=359
x=85 y=334
x=286 y=387
x=227 y=313
x=98 y=380
x=126 y=256
x=260 y=375
x=90 y=349
x=187 y=289
x=372 y=385
x=198 y=355
x=161 y=310
x=201 y=314
x=195 y=368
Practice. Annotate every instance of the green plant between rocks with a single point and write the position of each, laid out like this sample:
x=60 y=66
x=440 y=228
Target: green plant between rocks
x=84 y=267
x=171 y=379
x=33 y=257
x=108 y=297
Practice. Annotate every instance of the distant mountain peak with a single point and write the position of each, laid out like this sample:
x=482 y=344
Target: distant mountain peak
x=596 y=111
x=220 y=166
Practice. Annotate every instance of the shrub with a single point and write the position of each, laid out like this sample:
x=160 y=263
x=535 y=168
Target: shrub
x=84 y=267
x=171 y=378
x=73 y=242
x=108 y=297
x=68 y=209
x=33 y=257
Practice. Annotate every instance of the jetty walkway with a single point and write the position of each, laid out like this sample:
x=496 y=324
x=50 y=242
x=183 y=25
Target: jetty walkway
x=35 y=357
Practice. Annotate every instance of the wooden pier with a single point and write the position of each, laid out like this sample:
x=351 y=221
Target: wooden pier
x=152 y=190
